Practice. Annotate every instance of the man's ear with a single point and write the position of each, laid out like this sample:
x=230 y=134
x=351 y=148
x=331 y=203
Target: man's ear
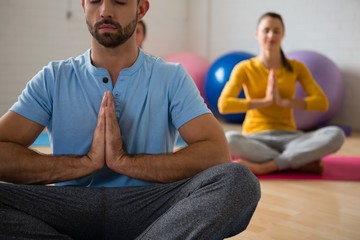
x=143 y=7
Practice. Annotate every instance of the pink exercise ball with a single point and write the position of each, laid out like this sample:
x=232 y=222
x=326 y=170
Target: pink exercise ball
x=328 y=76
x=195 y=65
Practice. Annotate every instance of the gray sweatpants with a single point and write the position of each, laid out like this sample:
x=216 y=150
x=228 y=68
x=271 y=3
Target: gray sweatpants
x=288 y=149
x=214 y=204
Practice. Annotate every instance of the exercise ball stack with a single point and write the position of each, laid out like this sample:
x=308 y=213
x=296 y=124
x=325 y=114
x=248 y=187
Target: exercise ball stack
x=195 y=65
x=216 y=78
x=327 y=75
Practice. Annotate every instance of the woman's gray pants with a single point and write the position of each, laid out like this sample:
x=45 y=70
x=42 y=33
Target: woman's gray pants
x=288 y=149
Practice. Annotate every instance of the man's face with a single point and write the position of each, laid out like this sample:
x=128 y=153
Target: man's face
x=103 y=18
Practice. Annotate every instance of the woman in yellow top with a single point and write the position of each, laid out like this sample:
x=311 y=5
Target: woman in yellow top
x=270 y=140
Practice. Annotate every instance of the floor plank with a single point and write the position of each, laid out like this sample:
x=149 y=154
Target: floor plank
x=306 y=210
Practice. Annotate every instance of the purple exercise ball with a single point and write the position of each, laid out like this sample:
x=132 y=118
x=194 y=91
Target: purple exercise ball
x=327 y=75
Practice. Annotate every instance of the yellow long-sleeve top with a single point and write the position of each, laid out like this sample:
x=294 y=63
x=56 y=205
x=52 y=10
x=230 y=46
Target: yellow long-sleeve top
x=252 y=75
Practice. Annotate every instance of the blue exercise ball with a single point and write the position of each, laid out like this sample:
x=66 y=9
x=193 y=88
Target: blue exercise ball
x=216 y=78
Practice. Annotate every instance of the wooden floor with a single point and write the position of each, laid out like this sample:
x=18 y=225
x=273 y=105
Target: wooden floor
x=319 y=210
x=316 y=210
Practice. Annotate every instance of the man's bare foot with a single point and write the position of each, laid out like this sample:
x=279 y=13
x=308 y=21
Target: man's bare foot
x=313 y=167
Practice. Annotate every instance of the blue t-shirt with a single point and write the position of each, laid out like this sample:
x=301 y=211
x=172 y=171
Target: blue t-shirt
x=153 y=99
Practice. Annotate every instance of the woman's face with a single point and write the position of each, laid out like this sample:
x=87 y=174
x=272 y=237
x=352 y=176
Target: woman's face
x=270 y=33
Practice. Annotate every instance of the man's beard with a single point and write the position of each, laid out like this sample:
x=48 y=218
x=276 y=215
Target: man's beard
x=112 y=40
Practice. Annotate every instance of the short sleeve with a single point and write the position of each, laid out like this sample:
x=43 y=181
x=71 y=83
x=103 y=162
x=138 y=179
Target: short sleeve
x=34 y=102
x=186 y=102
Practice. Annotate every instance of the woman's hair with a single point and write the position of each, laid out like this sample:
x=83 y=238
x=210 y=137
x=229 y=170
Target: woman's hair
x=284 y=60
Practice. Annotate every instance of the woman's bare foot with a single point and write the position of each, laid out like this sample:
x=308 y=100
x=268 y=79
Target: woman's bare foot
x=259 y=168
x=313 y=167
x=270 y=166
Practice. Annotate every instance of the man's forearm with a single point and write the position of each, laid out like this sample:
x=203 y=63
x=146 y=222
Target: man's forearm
x=19 y=164
x=172 y=167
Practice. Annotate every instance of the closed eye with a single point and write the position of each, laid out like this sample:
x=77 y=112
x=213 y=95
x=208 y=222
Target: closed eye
x=121 y=2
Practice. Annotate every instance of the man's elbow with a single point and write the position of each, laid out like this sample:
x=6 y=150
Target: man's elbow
x=223 y=154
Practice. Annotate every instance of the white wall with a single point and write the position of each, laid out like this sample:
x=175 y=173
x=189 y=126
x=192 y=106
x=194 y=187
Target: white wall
x=33 y=33
x=167 y=22
x=37 y=31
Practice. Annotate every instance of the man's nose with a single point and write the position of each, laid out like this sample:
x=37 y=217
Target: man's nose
x=107 y=9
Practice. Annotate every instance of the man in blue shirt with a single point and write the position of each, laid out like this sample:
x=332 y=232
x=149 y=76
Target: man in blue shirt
x=113 y=115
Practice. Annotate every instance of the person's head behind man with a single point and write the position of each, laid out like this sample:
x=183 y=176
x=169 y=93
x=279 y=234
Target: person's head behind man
x=113 y=22
x=140 y=33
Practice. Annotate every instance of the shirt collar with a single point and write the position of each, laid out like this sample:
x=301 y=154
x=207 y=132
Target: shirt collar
x=127 y=71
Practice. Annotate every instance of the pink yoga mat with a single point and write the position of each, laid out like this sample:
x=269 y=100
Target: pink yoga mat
x=335 y=168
